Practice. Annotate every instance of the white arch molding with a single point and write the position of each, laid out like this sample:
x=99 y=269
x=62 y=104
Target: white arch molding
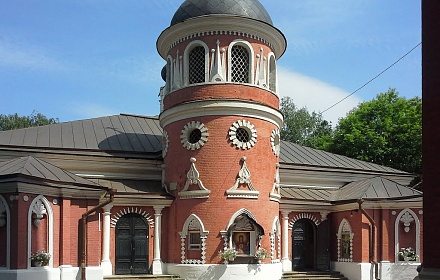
x=396 y=232
x=130 y=210
x=4 y=207
x=275 y=240
x=195 y=223
x=250 y=49
x=345 y=227
x=300 y=216
x=188 y=49
x=49 y=213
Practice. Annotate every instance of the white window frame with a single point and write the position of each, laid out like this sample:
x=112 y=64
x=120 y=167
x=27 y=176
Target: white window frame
x=250 y=49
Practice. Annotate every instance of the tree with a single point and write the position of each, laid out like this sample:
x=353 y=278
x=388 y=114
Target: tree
x=302 y=127
x=14 y=121
x=386 y=131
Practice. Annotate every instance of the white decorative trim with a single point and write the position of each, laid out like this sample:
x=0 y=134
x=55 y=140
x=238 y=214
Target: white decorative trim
x=190 y=47
x=243 y=178
x=36 y=205
x=303 y=216
x=272 y=76
x=406 y=212
x=131 y=210
x=165 y=143
x=193 y=178
x=238 y=213
x=4 y=210
x=275 y=240
x=275 y=141
x=261 y=70
x=186 y=131
x=249 y=128
x=345 y=227
x=193 y=222
x=203 y=108
x=406 y=219
x=250 y=49
x=324 y=215
x=218 y=65
x=39 y=210
x=275 y=193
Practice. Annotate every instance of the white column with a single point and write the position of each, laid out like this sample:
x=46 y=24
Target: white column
x=287 y=264
x=106 y=264
x=157 y=262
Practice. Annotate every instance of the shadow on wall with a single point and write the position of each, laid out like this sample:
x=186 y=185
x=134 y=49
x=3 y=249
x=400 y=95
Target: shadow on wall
x=213 y=272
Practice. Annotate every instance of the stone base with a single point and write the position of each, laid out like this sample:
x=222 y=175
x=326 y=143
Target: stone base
x=287 y=265
x=157 y=267
x=107 y=267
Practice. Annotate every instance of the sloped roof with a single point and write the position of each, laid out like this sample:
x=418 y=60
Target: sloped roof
x=140 y=134
x=40 y=169
x=377 y=188
x=125 y=133
x=291 y=153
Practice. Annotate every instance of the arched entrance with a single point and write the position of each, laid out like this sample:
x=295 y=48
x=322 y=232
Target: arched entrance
x=131 y=245
x=303 y=245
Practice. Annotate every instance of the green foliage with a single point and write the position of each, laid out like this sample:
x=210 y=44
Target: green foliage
x=302 y=127
x=386 y=131
x=14 y=121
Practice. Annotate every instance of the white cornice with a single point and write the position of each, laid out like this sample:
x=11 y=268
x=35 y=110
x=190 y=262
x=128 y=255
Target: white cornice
x=220 y=108
x=221 y=24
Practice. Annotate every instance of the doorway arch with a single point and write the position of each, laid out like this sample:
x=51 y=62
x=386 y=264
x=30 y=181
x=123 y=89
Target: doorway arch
x=132 y=245
x=304 y=245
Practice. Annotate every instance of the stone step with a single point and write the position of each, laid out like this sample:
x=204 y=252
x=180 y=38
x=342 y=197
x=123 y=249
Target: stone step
x=142 y=277
x=313 y=275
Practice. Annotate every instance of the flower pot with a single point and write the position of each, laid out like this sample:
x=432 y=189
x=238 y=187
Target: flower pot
x=37 y=264
x=407 y=259
x=231 y=259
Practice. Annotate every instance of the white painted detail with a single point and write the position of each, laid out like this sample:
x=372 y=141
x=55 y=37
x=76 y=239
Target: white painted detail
x=193 y=223
x=36 y=207
x=218 y=65
x=186 y=132
x=165 y=143
x=304 y=216
x=157 y=267
x=248 y=128
x=345 y=229
x=193 y=178
x=6 y=217
x=218 y=107
x=275 y=240
x=275 y=193
x=405 y=214
x=135 y=210
x=275 y=141
x=243 y=178
x=287 y=263
x=351 y=270
x=106 y=264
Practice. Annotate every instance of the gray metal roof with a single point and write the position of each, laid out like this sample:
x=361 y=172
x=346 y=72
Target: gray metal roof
x=133 y=186
x=295 y=154
x=244 y=8
x=125 y=133
x=377 y=188
x=40 y=169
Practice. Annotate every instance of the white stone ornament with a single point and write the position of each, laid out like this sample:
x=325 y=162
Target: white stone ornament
x=243 y=178
x=39 y=210
x=165 y=143
x=243 y=134
x=407 y=219
x=193 y=178
x=194 y=135
x=275 y=141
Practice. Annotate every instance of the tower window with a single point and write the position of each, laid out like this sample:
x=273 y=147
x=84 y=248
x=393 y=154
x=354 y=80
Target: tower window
x=242 y=135
x=197 y=65
x=194 y=242
x=195 y=136
x=240 y=64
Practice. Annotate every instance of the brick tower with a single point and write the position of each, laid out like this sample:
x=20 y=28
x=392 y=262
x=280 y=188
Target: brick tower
x=221 y=120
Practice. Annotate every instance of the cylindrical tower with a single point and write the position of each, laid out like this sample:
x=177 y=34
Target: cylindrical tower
x=221 y=120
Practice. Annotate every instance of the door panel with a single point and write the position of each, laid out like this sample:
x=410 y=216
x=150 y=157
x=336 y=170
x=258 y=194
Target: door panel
x=131 y=245
x=303 y=245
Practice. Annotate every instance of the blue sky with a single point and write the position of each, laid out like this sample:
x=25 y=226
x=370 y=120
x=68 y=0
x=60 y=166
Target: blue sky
x=80 y=59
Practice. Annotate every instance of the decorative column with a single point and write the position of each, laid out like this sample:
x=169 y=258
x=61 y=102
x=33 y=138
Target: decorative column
x=106 y=264
x=157 y=262
x=287 y=264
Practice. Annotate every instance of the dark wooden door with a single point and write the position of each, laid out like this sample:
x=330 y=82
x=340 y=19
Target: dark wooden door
x=303 y=245
x=131 y=245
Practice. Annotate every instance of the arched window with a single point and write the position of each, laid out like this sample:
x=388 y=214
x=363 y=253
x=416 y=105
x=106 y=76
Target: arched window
x=345 y=242
x=196 y=63
x=272 y=73
x=240 y=54
x=407 y=235
x=193 y=238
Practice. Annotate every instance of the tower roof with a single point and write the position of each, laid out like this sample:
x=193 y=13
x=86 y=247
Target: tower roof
x=242 y=8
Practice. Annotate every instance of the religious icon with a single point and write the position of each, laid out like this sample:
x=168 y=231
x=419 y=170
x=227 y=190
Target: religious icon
x=241 y=242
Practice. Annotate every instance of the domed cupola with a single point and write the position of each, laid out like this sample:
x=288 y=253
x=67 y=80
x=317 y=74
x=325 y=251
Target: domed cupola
x=244 y=8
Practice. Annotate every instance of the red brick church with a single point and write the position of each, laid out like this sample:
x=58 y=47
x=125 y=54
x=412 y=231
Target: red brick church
x=127 y=194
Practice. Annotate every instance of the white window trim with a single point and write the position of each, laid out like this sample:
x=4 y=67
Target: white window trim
x=188 y=49
x=193 y=218
x=271 y=57
x=250 y=128
x=396 y=234
x=339 y=236
x=187 y=129
x=249 y=47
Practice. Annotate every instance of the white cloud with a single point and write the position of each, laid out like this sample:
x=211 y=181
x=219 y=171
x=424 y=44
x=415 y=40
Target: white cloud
x=315 y=95
x=24 y=56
